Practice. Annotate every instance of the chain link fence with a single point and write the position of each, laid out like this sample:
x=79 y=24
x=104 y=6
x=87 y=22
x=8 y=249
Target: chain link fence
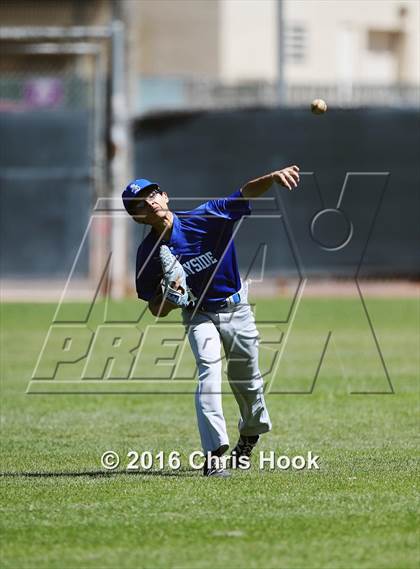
x=52 y=162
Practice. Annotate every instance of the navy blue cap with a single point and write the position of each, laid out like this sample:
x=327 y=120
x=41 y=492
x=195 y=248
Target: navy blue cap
x=133 y=190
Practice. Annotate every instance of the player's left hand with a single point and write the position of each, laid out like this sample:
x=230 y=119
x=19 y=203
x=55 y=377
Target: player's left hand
x=287 y=177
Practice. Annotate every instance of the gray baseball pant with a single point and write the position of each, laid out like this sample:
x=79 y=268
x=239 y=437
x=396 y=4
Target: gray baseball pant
x=235 y=328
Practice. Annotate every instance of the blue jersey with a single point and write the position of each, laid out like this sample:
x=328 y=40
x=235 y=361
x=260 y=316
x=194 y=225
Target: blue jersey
x=202 y=241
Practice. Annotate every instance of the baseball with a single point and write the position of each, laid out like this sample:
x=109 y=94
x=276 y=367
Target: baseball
x=318 y=106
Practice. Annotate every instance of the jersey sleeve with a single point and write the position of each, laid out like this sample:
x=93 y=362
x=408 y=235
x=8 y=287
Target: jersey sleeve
x=148 y=274
x=232 y=207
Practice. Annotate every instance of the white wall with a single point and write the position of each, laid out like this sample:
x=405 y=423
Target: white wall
x=176 y=37
x=248 y=40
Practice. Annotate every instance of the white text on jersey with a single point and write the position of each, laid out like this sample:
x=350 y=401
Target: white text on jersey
x=199 y=263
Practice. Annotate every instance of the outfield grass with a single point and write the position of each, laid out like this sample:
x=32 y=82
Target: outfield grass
x=358 y=510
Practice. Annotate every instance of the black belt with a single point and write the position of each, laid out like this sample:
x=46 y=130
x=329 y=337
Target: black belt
x=216 y=306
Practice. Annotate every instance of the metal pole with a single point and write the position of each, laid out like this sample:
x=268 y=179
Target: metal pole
x=25 y=33
x=119 y=164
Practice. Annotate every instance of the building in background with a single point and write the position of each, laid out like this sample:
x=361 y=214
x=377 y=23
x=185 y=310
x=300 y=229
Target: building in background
x=355 y=42
x=224 y=53
x=235 y=52
x=358 y=51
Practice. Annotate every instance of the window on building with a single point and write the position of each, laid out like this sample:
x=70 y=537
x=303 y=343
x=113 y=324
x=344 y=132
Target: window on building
x=382 y=40
x=295 y=43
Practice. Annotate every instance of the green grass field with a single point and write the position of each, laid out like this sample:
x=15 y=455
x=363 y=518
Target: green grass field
x=60 y=509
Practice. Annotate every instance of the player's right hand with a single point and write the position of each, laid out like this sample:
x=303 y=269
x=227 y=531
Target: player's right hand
x=287 y=177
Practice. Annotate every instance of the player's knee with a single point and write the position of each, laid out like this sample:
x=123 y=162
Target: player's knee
x=246 y=370
x=208 y=402
x=209 y=376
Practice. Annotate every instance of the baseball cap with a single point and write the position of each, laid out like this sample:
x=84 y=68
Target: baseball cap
x=133 y=190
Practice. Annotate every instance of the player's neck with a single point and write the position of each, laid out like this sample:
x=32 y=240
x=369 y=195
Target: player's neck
x=163 y=227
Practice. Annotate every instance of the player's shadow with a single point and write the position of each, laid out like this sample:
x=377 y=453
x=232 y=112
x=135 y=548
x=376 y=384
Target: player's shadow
x=101 y=473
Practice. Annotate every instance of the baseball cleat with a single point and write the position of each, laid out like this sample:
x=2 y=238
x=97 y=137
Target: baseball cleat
x=245 y=445
x=216 y=472
x=213 y=465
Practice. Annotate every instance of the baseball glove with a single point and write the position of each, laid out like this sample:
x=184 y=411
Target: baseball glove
x=174 y=282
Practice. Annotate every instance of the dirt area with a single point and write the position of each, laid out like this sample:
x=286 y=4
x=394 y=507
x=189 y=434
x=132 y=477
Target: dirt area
x=51 y=291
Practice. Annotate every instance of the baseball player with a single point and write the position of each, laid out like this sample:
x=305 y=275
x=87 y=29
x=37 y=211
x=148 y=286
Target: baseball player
x=188 y=262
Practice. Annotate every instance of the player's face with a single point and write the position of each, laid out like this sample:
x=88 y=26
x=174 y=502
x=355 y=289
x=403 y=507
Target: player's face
x=150 y=207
